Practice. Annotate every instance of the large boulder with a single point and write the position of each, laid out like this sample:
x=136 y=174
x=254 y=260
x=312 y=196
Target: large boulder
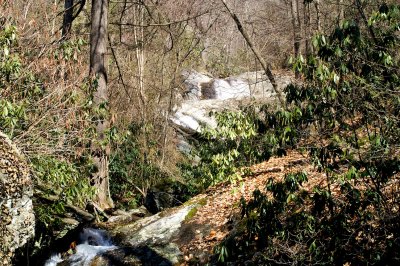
x=152 y=239
x=192 y=80
x=17 y=220
x=157 y=201
x=261 y=87
x=205 y=94
x=223 y=89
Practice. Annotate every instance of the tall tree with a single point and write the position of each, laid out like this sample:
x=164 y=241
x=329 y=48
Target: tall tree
x=307 y=26
x=317 y=11
x=100 y=150
x=68 y=18
x=296 y=28
x=340 y=11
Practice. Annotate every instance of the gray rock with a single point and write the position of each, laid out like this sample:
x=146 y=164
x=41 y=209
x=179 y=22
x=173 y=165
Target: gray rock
x=205 y=94
x=120 y=216
x=222 y=89
x=131 y=256
x=17 y=221
x=192 y=80
x=261 y=87
x=155 y=230
x=152 y=238
x=157 y=201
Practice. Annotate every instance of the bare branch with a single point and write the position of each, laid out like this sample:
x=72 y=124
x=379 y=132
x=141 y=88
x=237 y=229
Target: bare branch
x=160 y=24
x=120 y=77
x=266 y=67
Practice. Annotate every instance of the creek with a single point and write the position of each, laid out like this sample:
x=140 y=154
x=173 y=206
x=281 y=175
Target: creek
x=151 y=240
x=92 y=242
x=156 y=239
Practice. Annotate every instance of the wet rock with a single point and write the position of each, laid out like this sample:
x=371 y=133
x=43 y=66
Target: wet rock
x=223 y=89
x=152 y=240
x=131 y=256
x=192 y=116
x=17 y=222
x=155 y=235
x=157 y=229
x=92 y=243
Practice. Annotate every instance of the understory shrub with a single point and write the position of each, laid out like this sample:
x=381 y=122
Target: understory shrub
x=132 y=174
x=345 y=115
x=223 y=152
x=289 y=225
x=48 y=125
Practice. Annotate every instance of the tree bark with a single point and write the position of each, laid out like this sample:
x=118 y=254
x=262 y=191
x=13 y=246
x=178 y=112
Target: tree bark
x=316 y=3
x=340 y=12
x=296 y=26
x=98 y=49
x=296 y=29
x=266 y=67
x=67 y=19
x=307 y=28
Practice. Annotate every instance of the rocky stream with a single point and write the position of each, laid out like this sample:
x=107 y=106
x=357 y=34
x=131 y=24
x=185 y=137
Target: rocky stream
x=138 y=237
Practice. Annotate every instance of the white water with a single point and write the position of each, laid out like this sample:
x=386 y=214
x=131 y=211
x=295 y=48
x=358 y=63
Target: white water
x=92 y=243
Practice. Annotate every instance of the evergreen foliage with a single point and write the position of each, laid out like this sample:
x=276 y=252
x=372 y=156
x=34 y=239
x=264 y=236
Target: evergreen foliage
x=346 y=116
x=225 y=151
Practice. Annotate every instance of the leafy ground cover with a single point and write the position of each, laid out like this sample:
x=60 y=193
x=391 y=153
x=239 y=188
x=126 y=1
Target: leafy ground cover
x=223 y=203
x=219 y=221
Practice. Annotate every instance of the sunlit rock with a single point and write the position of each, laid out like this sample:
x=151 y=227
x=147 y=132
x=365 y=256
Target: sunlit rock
x=205 y=94
x=17 y=220
x=223 y=89
x=192 y=80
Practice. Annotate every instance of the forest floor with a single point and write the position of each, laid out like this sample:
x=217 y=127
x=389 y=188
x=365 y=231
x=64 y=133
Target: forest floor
x=223 y=203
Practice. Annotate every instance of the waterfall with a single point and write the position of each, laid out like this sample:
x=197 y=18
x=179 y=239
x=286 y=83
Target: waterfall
x=92 y=242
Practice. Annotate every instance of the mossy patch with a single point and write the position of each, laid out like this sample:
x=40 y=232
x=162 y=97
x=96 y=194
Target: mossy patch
x=191 y=214
x=202 y=201
x=199 y=203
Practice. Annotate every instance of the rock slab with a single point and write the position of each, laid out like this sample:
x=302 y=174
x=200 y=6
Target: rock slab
x=205 y=94
x=151 y=239
x=17 y=220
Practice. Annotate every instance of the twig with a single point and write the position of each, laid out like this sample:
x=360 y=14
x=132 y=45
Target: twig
x=118 y=68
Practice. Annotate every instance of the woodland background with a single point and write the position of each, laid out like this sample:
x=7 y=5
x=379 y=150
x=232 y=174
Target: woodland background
x=48 y=103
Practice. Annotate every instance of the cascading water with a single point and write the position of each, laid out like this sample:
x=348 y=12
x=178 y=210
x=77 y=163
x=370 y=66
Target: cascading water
x=92 y=242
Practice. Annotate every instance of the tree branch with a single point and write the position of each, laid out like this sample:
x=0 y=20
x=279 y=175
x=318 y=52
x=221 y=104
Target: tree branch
x=120 y=77
x=266 y=67
x=161 y=24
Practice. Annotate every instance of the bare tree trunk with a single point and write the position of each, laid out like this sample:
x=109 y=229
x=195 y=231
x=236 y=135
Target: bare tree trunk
x=266 y=67
x=53 y=24
x=67 y=19
x=296 y=29
x=69 y=16
x=316 y=3
x=98 y=48
x=138 y=34
x=307 y=28
x=340 y=11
